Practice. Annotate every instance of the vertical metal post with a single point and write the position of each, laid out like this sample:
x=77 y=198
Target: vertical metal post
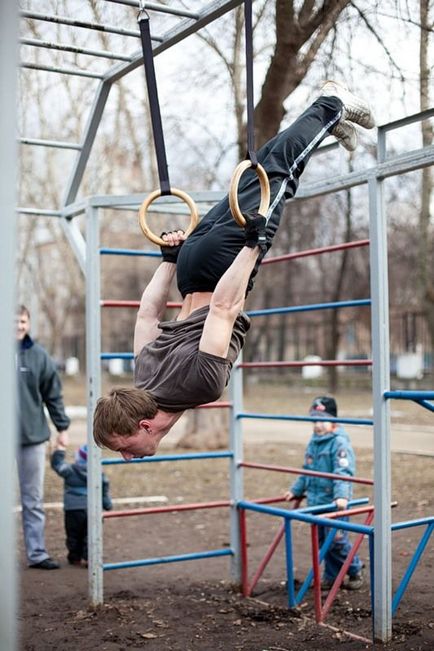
x=380 y=384
x=236 y=472
x=8 y=164
x=93 y=364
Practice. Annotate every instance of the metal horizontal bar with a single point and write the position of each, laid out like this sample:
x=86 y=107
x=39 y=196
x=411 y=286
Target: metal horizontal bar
x=304 y=517
x=76 y=72
x=39 y=211
x=409 y=395
x=310 y=252
x=309 y=308
x=397 y=526
x=410 y=119
x=392 y=167
x=133 y=304
x=168 y=559
x=49 y=143
x=135 y=200
x=117 y=356
x=182 y=30
x=62 y=20
x=224 y=454
x=308 y=419
x=170 y=508
x=150 y=254
x=353 y=362
x=307 y=473
x=73 y=48
x=152 y=6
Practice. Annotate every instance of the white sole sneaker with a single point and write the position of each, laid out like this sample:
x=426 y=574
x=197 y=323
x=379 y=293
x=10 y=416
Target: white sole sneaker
x=355 y=109
x=346 y=134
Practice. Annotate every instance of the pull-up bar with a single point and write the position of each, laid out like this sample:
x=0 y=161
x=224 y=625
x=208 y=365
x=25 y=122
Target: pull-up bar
x=151 y=6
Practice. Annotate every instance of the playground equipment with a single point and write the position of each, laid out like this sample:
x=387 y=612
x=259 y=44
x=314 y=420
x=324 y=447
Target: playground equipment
x=88 y=255
x=8 y=159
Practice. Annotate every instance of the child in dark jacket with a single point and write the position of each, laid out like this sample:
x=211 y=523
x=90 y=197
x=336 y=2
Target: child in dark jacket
x=75 y=501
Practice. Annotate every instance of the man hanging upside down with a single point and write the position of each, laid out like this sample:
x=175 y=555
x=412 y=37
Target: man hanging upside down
x=187 y=362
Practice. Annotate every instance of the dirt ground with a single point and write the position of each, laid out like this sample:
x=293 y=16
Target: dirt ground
x=193 y=606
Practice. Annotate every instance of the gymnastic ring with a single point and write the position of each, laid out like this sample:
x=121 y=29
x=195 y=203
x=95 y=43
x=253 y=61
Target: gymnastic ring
x=194 y=214
x=233 y=191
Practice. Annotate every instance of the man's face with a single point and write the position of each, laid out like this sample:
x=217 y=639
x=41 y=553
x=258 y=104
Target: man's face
x=22 y=326
x=143 y=443
x=321 y=427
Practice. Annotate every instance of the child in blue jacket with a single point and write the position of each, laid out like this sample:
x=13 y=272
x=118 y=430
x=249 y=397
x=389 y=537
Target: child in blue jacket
x=75 y=501
x=329 y=450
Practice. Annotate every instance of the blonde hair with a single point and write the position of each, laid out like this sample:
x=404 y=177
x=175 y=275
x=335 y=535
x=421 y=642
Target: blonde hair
x=120 y=413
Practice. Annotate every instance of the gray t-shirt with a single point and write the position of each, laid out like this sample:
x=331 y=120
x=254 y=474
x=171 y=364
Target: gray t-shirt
x=177 y=373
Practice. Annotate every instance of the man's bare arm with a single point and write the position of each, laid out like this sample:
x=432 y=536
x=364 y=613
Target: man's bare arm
x=154 y=298
x=153 y=305
x=227 y=302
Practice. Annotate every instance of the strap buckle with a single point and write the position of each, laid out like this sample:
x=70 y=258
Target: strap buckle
x=143 y=14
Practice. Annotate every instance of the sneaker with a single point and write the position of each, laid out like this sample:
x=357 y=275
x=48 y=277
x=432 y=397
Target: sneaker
x=346 y=134
x=46 y=564
x=355 y=109
x=354 y=582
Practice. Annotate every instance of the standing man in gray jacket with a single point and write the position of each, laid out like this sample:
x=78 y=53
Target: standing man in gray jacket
x=38 y=385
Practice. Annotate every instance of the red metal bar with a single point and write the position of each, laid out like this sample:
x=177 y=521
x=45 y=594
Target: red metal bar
x=110 y=303
x=270 y=500
x=268 y=554
x=353 y=362
x=316 y=572
x=344 y=514
x=342 y=572
x=215 y=405
x=185 y=507
x=166 y=509
x=310 y=473
x=274 y=543
x=319 y=251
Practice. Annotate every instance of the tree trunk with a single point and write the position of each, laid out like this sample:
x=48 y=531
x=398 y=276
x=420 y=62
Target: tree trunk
x=426 y=243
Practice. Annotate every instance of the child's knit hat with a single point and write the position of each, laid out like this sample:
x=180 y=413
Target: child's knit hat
x=81 y=454
x=324 y=406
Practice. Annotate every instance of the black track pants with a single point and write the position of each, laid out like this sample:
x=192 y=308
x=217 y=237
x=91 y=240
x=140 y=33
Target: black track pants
x=216 y=241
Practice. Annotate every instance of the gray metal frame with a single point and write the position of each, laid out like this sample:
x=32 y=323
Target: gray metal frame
x=87 y=253
x=8 y=173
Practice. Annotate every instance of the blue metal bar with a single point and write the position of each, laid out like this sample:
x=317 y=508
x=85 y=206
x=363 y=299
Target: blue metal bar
x=171 y=457
x=411 y=567
x=289 y=564
x=412 y=523
x=117 y=356
x=409 y=395
x=310 y=308
x=426 y=404
x=349 y=421
x=167 y=559
x=304 y=517
x=372 y=578
x=149 y=254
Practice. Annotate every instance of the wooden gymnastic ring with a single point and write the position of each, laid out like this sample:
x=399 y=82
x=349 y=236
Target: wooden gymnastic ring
x=194 y=214
x=233 y=191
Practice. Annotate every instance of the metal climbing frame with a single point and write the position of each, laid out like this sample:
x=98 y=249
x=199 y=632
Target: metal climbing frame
x=8 y=174
x=87 y=253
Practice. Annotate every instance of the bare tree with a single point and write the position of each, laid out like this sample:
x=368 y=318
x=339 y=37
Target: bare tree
x=426 y=233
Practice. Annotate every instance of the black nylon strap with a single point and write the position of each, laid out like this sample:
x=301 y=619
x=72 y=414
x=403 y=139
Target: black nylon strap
x=251 y=152
x=154 y=104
